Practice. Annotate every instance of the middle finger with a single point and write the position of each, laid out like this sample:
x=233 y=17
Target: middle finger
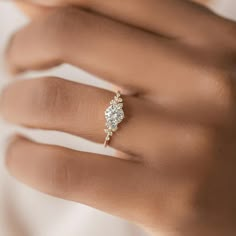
x=116 y=52
x=126 y=56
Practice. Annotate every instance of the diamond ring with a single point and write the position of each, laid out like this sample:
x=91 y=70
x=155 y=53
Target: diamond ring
x=114 y=114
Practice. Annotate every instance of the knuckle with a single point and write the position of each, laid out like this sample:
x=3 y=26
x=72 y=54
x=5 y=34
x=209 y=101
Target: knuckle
x=47 y=96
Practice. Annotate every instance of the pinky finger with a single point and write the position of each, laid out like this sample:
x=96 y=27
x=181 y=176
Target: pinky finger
x=115 y=186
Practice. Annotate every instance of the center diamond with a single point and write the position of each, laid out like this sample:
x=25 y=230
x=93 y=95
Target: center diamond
x=114 y=114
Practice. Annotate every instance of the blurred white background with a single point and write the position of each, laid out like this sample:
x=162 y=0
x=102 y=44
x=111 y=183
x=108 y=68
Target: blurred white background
x=25 y=212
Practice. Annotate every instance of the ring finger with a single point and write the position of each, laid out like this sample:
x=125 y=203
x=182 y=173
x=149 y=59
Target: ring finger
x=56 y=104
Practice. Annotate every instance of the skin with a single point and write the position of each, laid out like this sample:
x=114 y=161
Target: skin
x=179 y=131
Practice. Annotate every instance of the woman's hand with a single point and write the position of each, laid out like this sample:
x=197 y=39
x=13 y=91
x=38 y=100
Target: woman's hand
x=179 y=58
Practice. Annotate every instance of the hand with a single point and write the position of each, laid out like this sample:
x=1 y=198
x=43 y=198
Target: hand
x=179 y=58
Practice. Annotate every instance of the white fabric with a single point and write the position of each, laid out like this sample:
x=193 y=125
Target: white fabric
x=25 y=212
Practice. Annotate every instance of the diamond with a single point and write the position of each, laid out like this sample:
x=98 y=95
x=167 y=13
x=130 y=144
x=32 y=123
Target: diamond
x=114 y=114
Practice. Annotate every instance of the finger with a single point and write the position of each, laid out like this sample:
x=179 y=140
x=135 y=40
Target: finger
x=111 y=185
x=56 y=104
x=173 y=18
x=32 y=10
x=98 y=45
x=120 y=54
x=91 y=42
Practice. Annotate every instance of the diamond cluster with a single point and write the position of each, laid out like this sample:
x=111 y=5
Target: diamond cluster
x=114 y=114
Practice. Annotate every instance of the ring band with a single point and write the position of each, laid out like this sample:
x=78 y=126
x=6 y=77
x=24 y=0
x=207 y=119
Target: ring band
x=114 y=115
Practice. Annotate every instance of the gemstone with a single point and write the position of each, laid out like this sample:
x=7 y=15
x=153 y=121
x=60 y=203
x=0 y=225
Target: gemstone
x=114 y=114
